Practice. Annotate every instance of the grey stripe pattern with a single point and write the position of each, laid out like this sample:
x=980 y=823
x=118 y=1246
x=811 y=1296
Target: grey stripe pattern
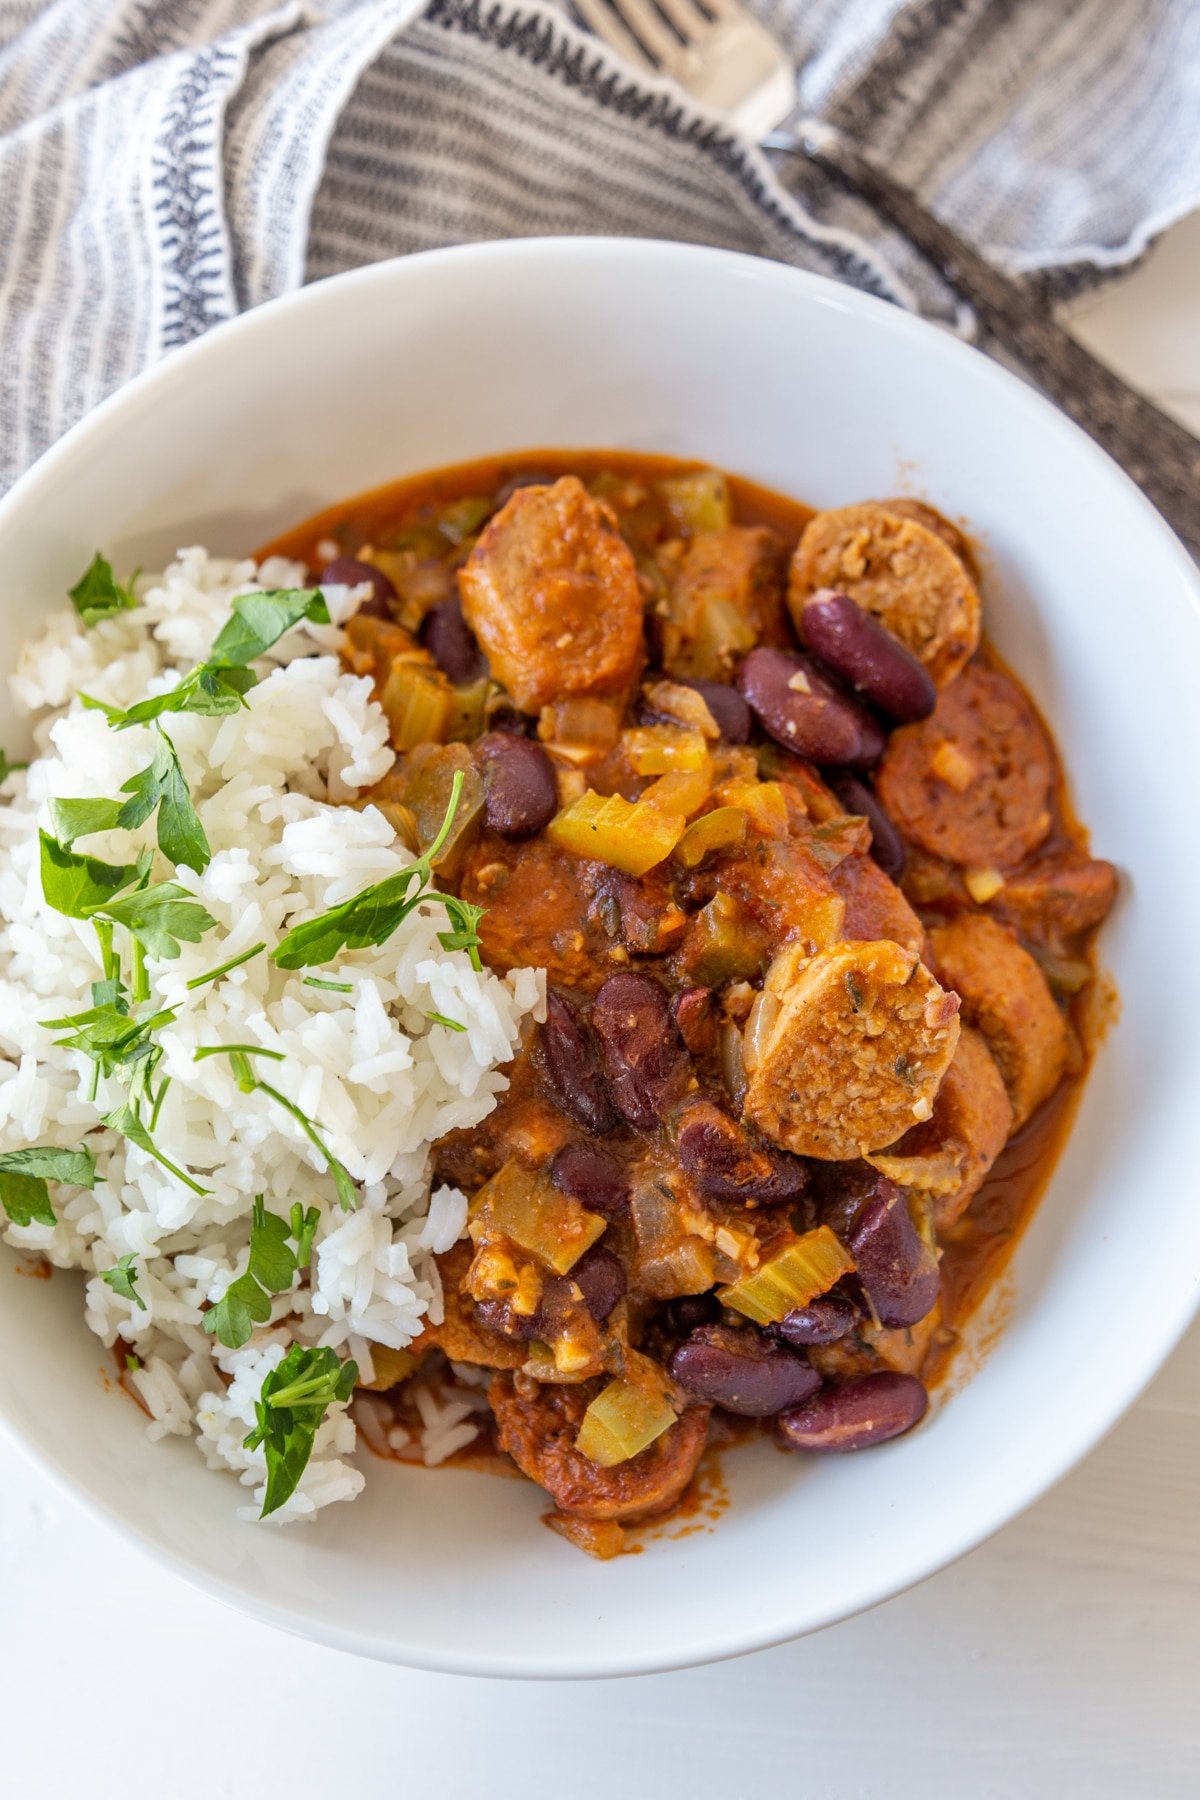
x=167 y=163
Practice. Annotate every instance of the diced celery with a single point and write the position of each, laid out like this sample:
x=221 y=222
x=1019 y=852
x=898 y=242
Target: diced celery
x=804 y=1268
x=391 y=1367
x=723 y=944
x=419 y=704
x=698 y=501
x=463 y=518
x=630 y=835
x=722 y=829
x=623 y=1420
x=582 y=728
x=670 y=1261
x=763 y=801
x=663 y=749
x=430 y=772
x=469 y=716
x=523 y=1207
x=374 y=646
x=836 y=839
x=683 y=792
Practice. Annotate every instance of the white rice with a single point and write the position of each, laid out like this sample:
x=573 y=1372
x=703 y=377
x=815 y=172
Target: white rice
x=379 y=1080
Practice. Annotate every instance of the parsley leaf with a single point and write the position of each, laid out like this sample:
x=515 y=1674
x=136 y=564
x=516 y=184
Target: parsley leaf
x=160 y=917
x=121 y=1278
x=125 y=1119
x=372 y=916
x=73 y=819
x=220 y=684
x=235 y=962
x=248 y=1081
x=304 y=1230
x=295 y=1399
x=80 y=885
x=98 y=594
x=181 y=836
x=24 y=1174
x=108 y=1034
x=271 y=1269
x=8 y=768
x=260 y=620
x=436 y=1018
x=465 y=919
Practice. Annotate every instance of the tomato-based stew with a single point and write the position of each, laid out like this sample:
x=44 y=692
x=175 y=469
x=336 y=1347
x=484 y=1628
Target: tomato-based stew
x=794 y=851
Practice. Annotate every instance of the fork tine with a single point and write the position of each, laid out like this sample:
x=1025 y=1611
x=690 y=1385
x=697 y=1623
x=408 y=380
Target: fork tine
x=689 y=19
x=644 y=21
x=609 y=26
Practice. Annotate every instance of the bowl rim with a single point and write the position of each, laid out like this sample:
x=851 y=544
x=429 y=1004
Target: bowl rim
x=154 y=388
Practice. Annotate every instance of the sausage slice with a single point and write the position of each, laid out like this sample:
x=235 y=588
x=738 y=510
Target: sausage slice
x=972 y=782
x=1005 y=996
x=551 y=592
x=898 y=569
x=846 y=1048
x=538 y=1430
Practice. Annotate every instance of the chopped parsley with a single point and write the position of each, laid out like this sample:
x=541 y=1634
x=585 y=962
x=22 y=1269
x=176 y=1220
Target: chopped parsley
x=249 y=1083
x=127 y=1120
x=372 y=916
x=221 y=683
x=24 y=1174
x=98 y=594
x=235 y=962
x=161 y=918
x=120 y=1279
x=271 y=1269
x=295 y=1398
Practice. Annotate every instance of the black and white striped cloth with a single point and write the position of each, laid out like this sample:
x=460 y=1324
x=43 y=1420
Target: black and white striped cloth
x=166 y=163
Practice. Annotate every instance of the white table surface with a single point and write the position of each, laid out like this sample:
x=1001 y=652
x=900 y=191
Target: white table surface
x=1061 y=1660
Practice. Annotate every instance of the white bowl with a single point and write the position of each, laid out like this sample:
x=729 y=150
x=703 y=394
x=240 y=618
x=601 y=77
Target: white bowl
x=818 y=391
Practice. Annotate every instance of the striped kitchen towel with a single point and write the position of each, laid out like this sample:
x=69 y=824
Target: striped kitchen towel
x=166 y=163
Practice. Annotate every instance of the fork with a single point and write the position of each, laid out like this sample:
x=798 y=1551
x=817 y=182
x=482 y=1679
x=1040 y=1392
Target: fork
x=724 y=59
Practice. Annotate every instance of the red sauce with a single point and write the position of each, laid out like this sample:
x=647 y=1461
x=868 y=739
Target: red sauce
x=979 y=1247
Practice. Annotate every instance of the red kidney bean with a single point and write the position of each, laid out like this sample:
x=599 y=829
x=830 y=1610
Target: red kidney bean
x=730 y=713
x=451 y=642
x=644 y=1056
x=887 y=846
x=895 y=1265
x=593 y=1177
x=600 y=1277
x=531 y=478
x=822 y=1321
x=743 y=1371
x=520 y=786
x=796 y=702
x=690 y=1310
x=868 y=658
x=855 y=1415
x=724 y=1163
x=347 y=571
x=498 y=1316
x=694 y=1015
x=572 y=1067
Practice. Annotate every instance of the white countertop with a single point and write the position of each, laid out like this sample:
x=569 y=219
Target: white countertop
x=1058 y=1662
